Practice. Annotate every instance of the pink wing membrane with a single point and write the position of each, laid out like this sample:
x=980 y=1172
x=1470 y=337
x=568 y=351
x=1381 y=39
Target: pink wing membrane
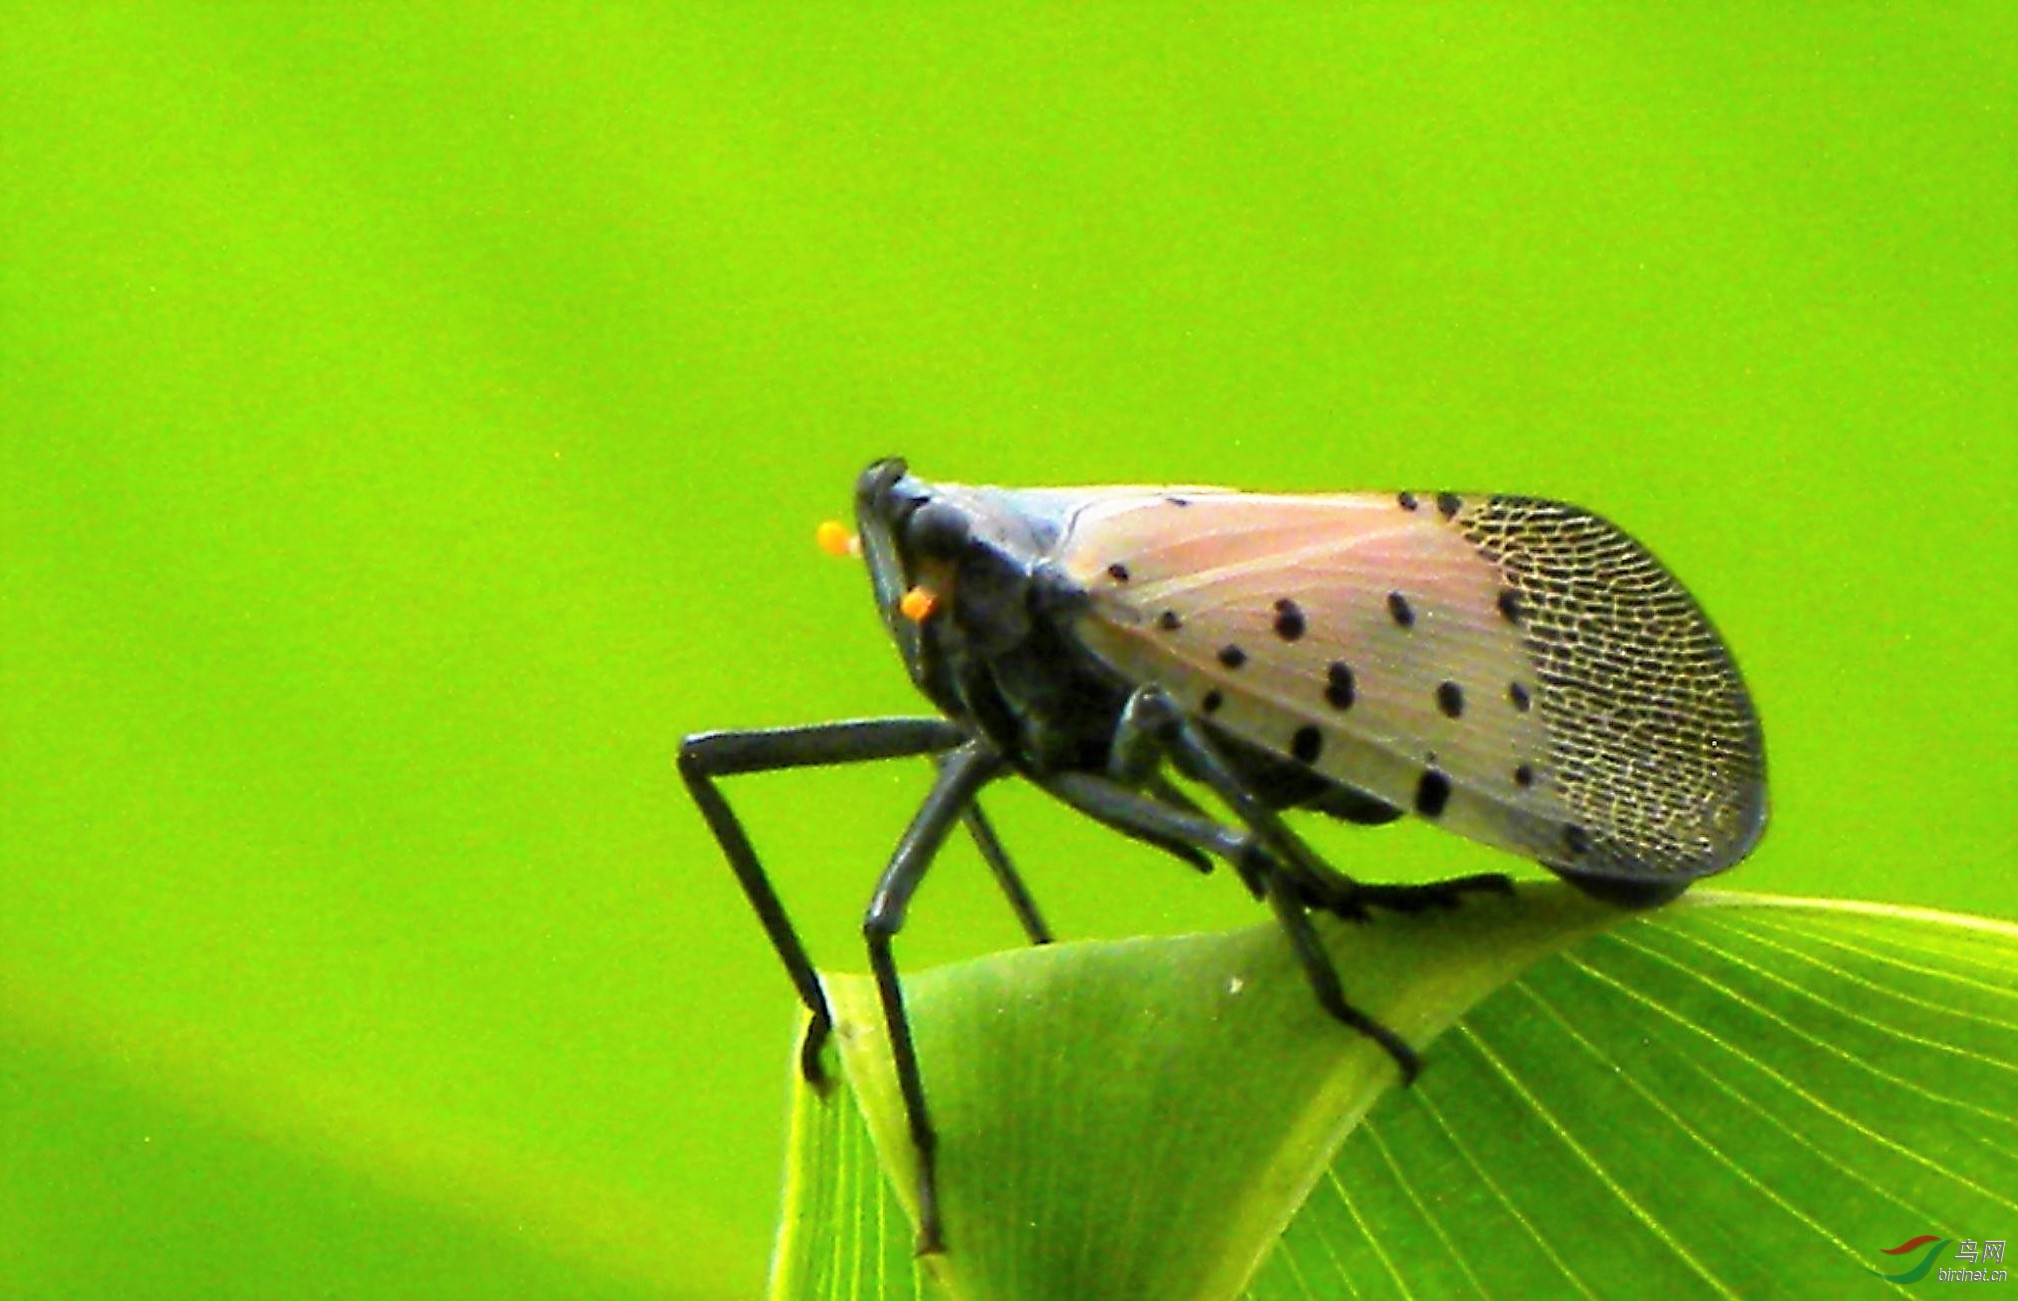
x=1428 y=687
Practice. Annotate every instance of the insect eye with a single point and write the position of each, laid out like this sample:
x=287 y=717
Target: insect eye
x=937 y=531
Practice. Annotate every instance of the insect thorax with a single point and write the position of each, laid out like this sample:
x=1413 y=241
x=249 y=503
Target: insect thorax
x=1012 y=667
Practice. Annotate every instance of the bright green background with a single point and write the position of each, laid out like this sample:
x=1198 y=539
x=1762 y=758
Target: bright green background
x=411 y=423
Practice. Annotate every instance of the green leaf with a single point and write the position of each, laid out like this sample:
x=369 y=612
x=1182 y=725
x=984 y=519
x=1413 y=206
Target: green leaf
x=1738 y=1097
x=1733 y=1096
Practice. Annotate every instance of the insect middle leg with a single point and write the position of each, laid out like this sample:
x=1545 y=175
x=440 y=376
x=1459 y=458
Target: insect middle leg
x=961 y=776
x=712 y=755
x=1011 y=882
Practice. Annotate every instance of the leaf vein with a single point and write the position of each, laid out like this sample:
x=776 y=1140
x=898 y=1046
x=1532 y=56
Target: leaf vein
x=1596 y=1167
x=1785 y=1082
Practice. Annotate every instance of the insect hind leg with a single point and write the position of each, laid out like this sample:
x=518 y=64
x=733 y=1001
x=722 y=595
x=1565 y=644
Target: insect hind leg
x=1152 y=724
x=1433 y=894
x=1153 y=727
x=1285 y=871
x=1164 y=819
x=1318 y=968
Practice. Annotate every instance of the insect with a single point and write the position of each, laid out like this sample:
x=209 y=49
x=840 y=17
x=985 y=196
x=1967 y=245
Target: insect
x=1516 y=670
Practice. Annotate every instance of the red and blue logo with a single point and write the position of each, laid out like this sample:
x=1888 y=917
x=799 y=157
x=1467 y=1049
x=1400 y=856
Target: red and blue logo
x=1919 y=1269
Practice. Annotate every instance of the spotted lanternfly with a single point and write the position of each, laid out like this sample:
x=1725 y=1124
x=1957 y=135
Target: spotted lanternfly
x=1516 y=670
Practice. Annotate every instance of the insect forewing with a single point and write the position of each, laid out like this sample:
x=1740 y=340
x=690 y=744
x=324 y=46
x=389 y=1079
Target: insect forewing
x=1519 y=671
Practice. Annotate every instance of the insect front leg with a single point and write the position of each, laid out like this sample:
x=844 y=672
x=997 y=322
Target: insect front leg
x=961 y=776
x=712 y=755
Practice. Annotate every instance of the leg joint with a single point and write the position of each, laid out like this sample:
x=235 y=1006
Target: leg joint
x=694 y=752
x=1151 y=708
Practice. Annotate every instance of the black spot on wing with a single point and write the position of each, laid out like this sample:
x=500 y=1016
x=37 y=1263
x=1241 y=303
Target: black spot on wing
x=1432 y=793
x=1289 y=621
x=1338 y=685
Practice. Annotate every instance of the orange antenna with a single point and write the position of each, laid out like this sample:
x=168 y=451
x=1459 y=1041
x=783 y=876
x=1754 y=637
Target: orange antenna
x=918 y=604
x=836 y=540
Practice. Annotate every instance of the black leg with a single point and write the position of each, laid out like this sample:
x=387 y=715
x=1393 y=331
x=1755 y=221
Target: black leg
x=1323 y=977
x=1151 y=712
x=1433 y=894
x=1152 y=723
x=962 y=775
x=1161 y=822
x=1182 y=840
x=711 y=755
x=1166 y=790
x=1291 y=874
x=1006 y=875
